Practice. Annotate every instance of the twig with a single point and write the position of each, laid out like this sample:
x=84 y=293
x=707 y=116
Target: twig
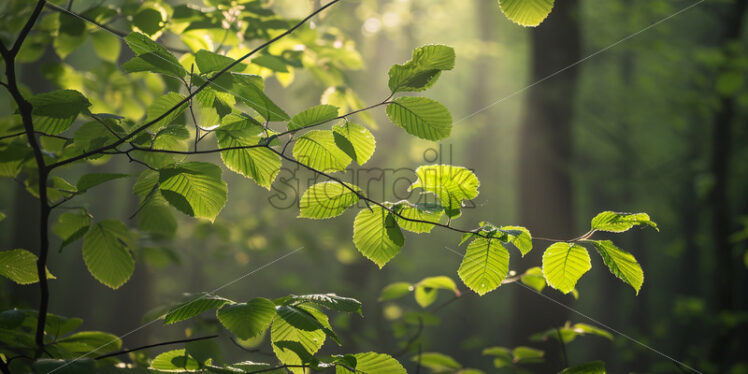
x=124 y=351
x=190 y=96
x=564 y=358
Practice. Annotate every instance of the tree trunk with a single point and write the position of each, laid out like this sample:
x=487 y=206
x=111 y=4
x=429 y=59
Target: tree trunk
x=722 y=225
x=546 y=205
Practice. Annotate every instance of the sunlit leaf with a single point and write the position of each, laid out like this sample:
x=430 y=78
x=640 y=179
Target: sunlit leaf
x=377 y=235
x=485 y=265
x=421 y=117
x=564 y=264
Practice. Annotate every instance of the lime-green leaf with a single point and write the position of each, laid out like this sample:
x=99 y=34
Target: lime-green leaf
x=193 y=306
x=620 y=222
x=564 y=264
x=247 y=320
x=437 y=362
x=259 y=163
x=327 y=200
x=313 y=116
x=585 y=329
x=527 y=355
x=71 y=227
x=421 y=117
x=355 y=140
x=426 y=289
x=176 y=361
x=372 y=362
x=395 y=291
x=318 y=150
x=161 y=105
x=151 y=56
x=526 y=12
x=55 y=111
x=422 y=71
x=621 y=263
x=415 y=217
x=195 y=188
x=485 y=265
x=282 y=331
x=520 y=237
x=94 y=179
x=377 y=235
x=328 y=300
x=107 y=252
x=594 y=367
x=19 y=265
x=209 y=62
x=534 y=278
x=452 y=184
x=106 y=45
x=252 y=95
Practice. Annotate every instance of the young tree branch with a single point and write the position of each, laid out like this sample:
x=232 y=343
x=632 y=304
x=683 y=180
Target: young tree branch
x=124 y=351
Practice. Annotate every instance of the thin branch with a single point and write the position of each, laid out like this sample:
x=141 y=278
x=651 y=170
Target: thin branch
x=564 y=358
x=124 y=351
x=118 y=33
x=35 y=132
x=27 y=28
x=199 y=88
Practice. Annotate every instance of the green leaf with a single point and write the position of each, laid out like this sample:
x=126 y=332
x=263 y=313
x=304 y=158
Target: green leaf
x=72 y=34
x=19 y=265
x=148 y=19
x=395 y=291
x=209 y=62
x=594 y=367
x=621 y=263
x=422 y=71
x=248 y=319
x=54 y=112
x=71 y=227
x=485 y=265
x=299 y=318
x=526 y=12
x=154 y=213
x=328 y=300
x=88 y=181
x=620 y=222
x=520 y=237
x=151 y=56
x=585 y=329
x=377 y=236
x=318 y=150
x=372 y=362
x=86 y=341
x=195 y=188
x=175 y=361
x=249 y=89
x=161 y=105
x=564 y=264
x=260 y=164
x=106 y=45
x=355 y=140
x=527 y=355
x=313 y=116
x=426 y=289
x=327 y=200
x=421 y=117
x=107 y=252
x=194 y=306
x=534 y=278
x=437 y=362
x=408 y=212
x=282 y=331
x=452 y=184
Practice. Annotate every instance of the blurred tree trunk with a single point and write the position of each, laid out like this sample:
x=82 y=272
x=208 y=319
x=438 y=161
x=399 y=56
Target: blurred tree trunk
x=546 y=206
x=722 y=225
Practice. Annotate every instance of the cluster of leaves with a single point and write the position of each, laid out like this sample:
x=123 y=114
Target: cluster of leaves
x=298 y=330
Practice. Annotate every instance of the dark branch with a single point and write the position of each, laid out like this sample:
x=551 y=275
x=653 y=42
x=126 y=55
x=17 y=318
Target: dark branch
x=124 y=351
x=27 y=28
